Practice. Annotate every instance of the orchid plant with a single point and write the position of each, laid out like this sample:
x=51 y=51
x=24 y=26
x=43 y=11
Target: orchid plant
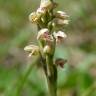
x=50 y=24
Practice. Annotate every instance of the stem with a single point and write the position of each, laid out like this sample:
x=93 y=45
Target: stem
x=50 y=69
x=51 y=76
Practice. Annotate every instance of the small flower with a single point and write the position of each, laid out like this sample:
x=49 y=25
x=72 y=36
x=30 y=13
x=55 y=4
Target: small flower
x=60 y=62
x=34 y=17
x=59 y=36
x=47 y=4
x=32 y=49
x=60 y=22
x=41 y=10
x=61 y=15
x=66 y=22
x=47 y=49
x=44 y=34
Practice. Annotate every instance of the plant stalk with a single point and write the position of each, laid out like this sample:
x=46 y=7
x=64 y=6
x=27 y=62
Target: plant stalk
x=51 y=76
x=51 y=69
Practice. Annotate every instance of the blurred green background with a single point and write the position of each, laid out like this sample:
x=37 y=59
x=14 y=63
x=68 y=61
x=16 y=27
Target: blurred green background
x=77 y=78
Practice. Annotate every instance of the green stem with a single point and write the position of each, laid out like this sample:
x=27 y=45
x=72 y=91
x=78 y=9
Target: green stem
x=51 y=76
x=50 y=70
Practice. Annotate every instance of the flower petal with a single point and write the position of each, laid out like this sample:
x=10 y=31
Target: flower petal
x=42 y=33
x=59 y=34
x=45 y=4
x=28 y=48
x=60 y=22
x=61 y=14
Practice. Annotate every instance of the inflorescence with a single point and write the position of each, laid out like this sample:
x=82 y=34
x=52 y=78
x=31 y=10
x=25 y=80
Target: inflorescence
x=50 y=25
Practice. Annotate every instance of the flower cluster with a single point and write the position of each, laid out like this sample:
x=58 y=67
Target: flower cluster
x=45 y=6
x=50 y=26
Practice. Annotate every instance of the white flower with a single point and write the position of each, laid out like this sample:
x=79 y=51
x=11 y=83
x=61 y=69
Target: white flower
x=60 y=18
x=47 y=4
x=60 y=35
x=60 y=22
x=61 y=14
x=66 y=22
x=32 y=49
x=34 y=17
x=41 y=10
x=43 y=33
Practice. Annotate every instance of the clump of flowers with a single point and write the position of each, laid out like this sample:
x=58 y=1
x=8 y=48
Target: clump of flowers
x=50 y=32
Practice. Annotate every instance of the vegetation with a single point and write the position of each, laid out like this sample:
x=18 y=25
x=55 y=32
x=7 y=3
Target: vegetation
x=77 y=78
